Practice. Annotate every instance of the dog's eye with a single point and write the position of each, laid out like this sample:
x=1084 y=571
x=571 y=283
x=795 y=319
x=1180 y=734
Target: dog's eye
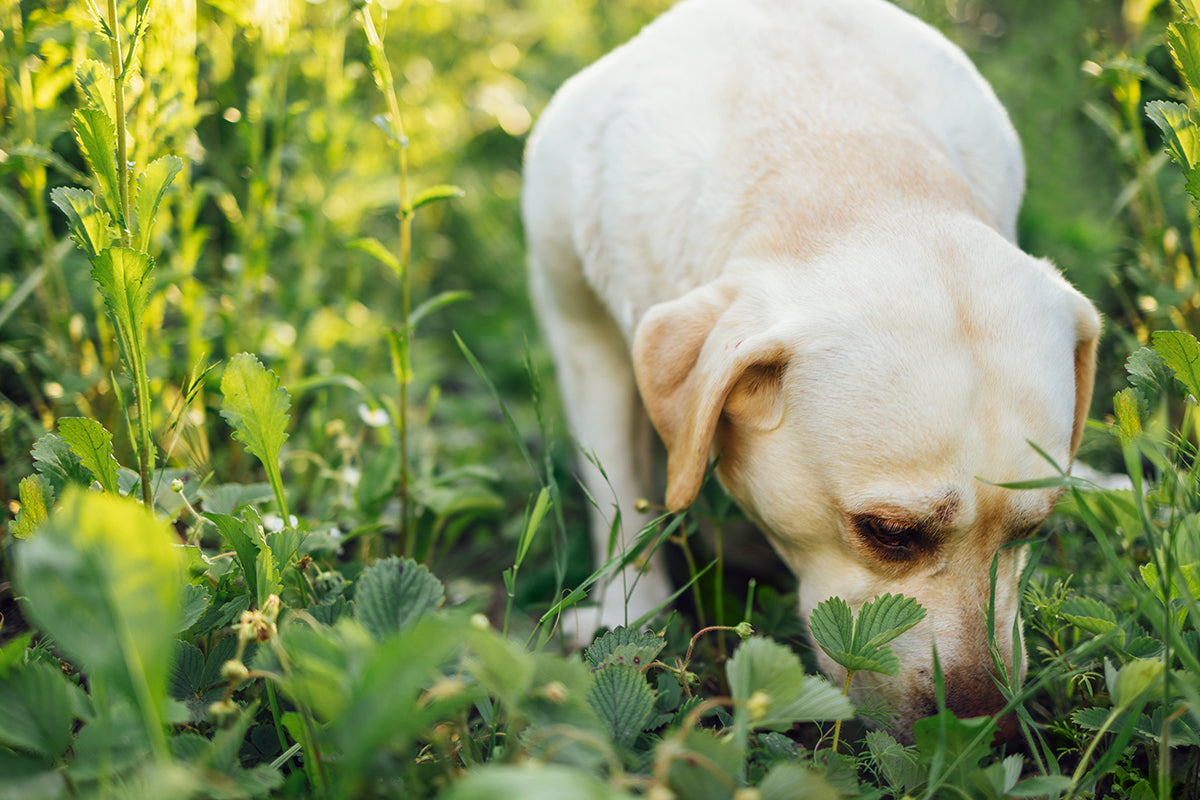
x=893 y=537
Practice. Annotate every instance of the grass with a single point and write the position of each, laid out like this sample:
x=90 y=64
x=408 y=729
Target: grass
x=274 y=239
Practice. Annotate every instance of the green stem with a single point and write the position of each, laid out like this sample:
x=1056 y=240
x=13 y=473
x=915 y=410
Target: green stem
x=1087 y=756
x=837 y=726
x=387 y=85
x=137 y=358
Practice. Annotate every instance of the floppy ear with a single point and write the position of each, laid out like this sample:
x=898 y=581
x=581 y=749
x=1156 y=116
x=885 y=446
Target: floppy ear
x=1087 y=335
x=695 y=357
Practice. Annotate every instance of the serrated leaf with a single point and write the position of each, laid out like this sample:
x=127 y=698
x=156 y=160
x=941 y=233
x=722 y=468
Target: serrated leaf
x=35 y=710
x=622 y=698
x=95 y=83
x=883 y=619
x=898 y=764
x=194 y=603
x=832 y=626
x=256 y=406
x=1181 y=352
x=240 y=534
x=58 y=464
x=187 y=671
x=374 y=247
x=598 y=653
x=622 y=646
x=1178 y=130
x=1127 y=409
x=102 y=578
x=151 y=186
x=394 y=594
x=434 y=194
x=97 y=137
x=124 y=278
x=1184 y=43
x=36 y=497
x=90 y=227
x=772 y=692
x=93 y=444
x=1089 y=614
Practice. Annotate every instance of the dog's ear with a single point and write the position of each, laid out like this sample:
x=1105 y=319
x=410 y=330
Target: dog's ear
x=694 y=359
x=1087 y=335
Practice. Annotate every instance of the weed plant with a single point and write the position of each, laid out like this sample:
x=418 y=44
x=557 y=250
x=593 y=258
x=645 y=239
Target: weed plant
x=197 y=212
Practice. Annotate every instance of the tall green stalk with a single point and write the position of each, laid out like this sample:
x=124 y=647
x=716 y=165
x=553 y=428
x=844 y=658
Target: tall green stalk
x=401 y=338
x=132 y=339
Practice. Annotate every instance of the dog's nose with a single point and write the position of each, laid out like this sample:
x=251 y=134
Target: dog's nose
x=975 y=694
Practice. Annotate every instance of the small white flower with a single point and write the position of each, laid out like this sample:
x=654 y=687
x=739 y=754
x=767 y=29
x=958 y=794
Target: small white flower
x=375 y=417
x=351 y=475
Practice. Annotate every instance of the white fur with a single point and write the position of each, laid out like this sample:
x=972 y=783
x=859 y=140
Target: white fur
x=784 y=231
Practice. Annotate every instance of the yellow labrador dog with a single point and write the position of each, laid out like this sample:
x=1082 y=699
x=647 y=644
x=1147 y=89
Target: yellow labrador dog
x=784 y=232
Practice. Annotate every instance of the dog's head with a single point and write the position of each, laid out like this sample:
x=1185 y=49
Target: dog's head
x=863 y=405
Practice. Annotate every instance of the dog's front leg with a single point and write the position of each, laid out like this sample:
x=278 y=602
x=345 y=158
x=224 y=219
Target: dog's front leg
x=607 y=420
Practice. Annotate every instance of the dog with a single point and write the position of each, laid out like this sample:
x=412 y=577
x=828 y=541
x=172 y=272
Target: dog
x=784 y=232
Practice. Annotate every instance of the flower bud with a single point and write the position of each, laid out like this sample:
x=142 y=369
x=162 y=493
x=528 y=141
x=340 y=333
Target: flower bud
x=234 y=671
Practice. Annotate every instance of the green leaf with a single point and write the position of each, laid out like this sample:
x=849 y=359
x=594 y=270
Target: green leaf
x=94 y=81
x=151 y=186
x=23 y=777
x=103 y=579
x=623 y=699
x=229 y=497
x=1184 y=43
x=35 y=710
x=705 y=757
x=625 y=646
x=503 y=668
x=772 y=692
x=1181 y=352
x=58 y=464
x=530 y=781
x=240 y=534
x=1178 y=130
x=860 y=644
x=194 y=603
x=268 y=581
x=123 y=276
x=1190 y=9
x=376 y=248
x=97 y=139
x=36 y=498
x=435 y=303
x=90 y=227
x=1127 y=408
x=1089 y=614
x=93 y=444
x=898 y=764
x=1134 y=679
x=794 y=782
x=434 y=194
x=393 y=594
x=257 y=408
x=1041 y=786
x=883 y=619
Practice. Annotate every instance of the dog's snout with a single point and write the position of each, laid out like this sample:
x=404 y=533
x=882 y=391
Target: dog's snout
x=973 y=693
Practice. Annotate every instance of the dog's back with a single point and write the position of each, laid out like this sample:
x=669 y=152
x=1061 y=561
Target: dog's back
x=646 y=164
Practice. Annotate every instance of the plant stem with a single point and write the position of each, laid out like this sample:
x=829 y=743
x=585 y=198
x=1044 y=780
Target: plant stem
x=383 y=77
x=136 y=355
x=837 y=726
